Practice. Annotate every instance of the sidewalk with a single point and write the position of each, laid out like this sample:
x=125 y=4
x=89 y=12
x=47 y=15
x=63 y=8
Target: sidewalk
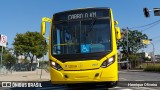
x=26 y=76
x=131 y=70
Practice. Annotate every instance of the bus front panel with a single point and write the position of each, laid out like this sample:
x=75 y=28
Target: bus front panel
x=83 y=46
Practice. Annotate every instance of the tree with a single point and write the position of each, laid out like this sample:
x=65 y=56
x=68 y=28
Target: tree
x=8 y=60
x=134 y=41
x=134 y=44
x=30 y=44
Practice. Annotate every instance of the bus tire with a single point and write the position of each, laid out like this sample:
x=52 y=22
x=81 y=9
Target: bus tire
x=111 y=84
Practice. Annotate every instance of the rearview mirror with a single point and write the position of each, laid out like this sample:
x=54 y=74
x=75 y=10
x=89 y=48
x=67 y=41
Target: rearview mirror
x=43 y=24
x=115 y=22
x=118 y=33
x=43 y=28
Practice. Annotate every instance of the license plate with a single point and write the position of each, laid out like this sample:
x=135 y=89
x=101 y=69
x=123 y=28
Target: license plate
x=71 y=66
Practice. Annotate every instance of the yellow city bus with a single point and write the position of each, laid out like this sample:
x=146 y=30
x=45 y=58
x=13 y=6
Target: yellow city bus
x=82 y=46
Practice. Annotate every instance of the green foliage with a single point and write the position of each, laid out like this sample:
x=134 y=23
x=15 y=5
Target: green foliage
x=25 y=61
x=30 y=44
x=4 y=50
x=43 y=64
x=146 y=59
x=135 y=38
x=133 y=59
x=134 y=41
x=8 y=60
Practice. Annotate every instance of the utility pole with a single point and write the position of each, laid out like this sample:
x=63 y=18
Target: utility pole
x=153 y=53
x=3 y=42
x=1 y=60
x=127 y=49
x=127 y=40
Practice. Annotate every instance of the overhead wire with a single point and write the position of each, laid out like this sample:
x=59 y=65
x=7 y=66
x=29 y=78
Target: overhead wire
x=151 y=26
x=145 y=25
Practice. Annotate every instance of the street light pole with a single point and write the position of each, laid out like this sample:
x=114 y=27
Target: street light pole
x=153 y=52
x=149 y=42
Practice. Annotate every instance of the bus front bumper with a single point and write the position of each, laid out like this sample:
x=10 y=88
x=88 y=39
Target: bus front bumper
x=85 y=76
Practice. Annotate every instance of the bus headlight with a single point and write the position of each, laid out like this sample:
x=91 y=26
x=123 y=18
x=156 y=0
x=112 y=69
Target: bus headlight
x=108 y=62
x=55 y=65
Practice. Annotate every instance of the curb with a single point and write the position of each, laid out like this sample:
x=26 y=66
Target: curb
x=132 y=70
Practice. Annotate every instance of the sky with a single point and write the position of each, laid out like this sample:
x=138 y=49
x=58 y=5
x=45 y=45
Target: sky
x=19 y=16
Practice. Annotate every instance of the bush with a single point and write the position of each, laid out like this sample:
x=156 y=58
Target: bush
x=43 y=64
x=134 y=60
x=152 y=68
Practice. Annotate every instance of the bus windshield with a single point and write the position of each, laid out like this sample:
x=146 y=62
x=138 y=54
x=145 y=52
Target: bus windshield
x=82 y=36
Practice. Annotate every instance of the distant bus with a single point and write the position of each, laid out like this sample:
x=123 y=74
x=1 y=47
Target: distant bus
x=82 y=46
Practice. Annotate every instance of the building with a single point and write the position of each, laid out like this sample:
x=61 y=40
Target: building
x=157 y=58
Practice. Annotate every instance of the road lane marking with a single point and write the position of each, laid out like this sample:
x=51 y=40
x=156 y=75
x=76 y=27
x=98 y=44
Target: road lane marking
x=122 y=72
x=139 y=80
x=119 y=88
x=123 y=79
x=144 y=88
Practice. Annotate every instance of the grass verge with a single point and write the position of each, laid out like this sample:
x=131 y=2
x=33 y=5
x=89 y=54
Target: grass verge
x=152 y=68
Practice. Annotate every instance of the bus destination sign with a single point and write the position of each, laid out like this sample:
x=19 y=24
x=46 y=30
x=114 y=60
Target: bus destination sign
x=81 y=14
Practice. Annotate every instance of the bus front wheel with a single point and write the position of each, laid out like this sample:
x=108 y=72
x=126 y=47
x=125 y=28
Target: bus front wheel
x=111 y=84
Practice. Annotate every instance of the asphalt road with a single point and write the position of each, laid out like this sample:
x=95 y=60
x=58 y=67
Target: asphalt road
x=125 y=77
x=138 y=76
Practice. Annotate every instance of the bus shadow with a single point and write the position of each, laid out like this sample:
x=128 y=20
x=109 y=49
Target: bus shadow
x=87 y=87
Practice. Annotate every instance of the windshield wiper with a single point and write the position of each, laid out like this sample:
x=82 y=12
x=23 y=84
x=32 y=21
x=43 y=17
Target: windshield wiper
x=91 y=26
